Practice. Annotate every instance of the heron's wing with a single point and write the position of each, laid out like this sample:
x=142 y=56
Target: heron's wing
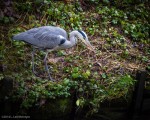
x=49 y=41
x=41 y=38
x=51 y=29
x=56 y=31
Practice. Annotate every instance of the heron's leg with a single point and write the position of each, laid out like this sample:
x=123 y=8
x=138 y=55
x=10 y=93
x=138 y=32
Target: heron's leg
x=46 y=66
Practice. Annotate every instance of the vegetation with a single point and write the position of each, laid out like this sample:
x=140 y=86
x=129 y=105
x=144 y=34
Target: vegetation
x=118 y=31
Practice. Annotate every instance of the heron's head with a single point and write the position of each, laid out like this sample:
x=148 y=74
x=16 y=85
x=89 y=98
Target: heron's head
x=83 y=37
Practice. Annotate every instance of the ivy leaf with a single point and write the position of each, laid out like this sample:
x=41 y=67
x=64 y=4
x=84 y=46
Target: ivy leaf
x=66 y=81
x=78 y=102
x=81 y=90
x=103 y=75
x=75 y=75
x=75 y=70
x=86 y=74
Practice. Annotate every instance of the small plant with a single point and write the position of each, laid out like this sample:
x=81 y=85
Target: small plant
x=31 y=94
x=91 y=93
x=120 y=86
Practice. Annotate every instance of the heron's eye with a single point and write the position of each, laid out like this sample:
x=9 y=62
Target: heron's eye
x=82 y=33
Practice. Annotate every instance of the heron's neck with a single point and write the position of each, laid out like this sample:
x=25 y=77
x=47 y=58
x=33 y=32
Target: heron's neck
x=73 y=40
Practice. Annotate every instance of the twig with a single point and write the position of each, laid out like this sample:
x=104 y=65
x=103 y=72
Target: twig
x=43 y=18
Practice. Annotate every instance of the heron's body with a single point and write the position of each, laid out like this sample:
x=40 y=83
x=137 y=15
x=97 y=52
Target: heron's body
x=47 y=37
x=50 y=37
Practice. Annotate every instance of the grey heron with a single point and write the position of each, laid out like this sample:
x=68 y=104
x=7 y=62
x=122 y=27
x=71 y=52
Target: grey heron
x=51 y=38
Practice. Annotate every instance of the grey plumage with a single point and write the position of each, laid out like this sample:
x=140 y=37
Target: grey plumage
x=46 y=37
x=53 y=38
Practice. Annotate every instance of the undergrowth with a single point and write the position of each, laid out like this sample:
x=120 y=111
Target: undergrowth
x=120 y=37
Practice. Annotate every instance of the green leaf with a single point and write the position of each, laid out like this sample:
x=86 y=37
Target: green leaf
x=75 y=75
x=81 y=90
x=78 y=102
x=75 y=70
x=66 y=81
x=103 y=75
x=86 y=74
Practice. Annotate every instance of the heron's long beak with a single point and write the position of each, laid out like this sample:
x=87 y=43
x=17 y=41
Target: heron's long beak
x=88 y=44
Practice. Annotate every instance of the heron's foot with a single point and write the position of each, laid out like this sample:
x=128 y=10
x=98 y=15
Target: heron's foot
x=35 y=73
x=51 y=79
x=49 y=76
x=39 y=74
x=43 y=74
